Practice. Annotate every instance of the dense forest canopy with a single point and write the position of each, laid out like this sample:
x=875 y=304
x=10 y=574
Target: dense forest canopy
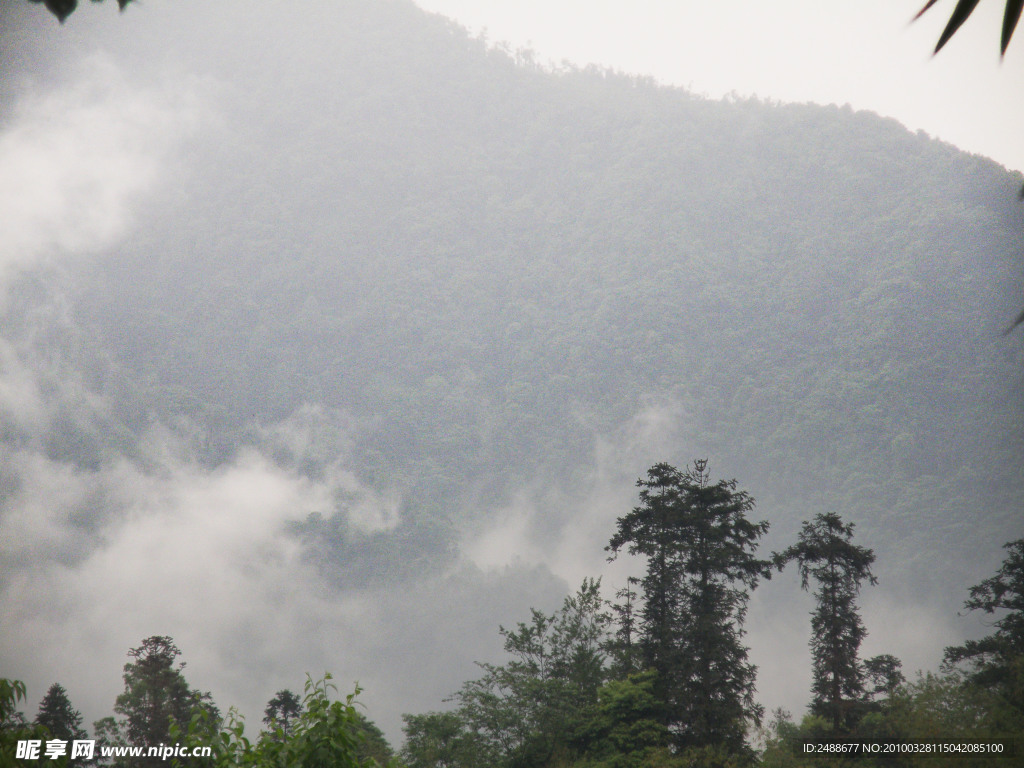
x=448 y=293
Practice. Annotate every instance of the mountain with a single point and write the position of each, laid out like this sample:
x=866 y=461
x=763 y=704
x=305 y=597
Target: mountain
x=495 y=292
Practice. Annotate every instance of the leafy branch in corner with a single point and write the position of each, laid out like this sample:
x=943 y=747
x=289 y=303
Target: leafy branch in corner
x=964 y=8
x=64 y=8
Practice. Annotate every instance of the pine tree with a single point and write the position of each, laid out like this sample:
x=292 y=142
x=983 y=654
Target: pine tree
x=883 y=675
x=825 y=553
x=700 y=548
x=282 y=712
x=650 y=531
x=58 y=716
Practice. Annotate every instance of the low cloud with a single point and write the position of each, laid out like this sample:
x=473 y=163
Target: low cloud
x=76 y=160
x=567 y=529
x=200 y=554
x=120 y=539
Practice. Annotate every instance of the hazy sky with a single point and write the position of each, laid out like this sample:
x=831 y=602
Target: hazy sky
x=864 y=53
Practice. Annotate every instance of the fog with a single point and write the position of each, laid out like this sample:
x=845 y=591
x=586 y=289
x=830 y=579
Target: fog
x=128 y=510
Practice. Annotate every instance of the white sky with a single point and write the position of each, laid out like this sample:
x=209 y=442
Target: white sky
x=861 y=52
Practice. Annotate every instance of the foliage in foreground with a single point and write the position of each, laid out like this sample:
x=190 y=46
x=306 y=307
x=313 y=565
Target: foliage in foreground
x=13 y=726
x=945 y=707
x=567 y=698
x=324 y=733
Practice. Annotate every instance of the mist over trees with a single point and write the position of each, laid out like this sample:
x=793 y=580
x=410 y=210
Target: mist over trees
x=560 y=702
x=456 y=297
x=565 y=697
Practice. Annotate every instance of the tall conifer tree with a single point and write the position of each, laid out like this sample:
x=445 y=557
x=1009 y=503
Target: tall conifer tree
x=700 y=549
x=58 y=716
x=825 y=553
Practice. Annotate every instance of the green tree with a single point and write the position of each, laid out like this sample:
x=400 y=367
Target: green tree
x=522 y=712
x=110 y=733
x=156 y=696
x=326 y=733
x=438 y=740
x=282 y=711
x=652 y=530
x=59 y=718
x=626 y=728
x=11 y=718
x=883 y=676
x=372 y=746
x=996 y=662
x=622 y=647
x=825 y=554
x=949 y=706
x=15 y=730
x=12 y=722
x=700 y=549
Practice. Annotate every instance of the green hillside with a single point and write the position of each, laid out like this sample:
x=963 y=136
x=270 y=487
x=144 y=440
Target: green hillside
x=477 y=269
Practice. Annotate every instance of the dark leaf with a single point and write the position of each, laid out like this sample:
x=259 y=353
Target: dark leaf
x=927 y=6
x=61 y=8
x=963 y=9
x=64 y=8
x=1010 y=19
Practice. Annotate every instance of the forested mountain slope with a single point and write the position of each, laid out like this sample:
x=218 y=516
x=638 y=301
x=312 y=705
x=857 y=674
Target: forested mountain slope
x=483 y=264
x=468 y=274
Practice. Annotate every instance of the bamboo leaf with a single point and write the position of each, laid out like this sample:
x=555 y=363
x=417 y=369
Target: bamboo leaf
x=1010 y=18
x=963 y=9
x=927 y=6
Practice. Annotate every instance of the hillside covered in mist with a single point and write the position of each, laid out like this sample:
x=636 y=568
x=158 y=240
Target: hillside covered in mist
x=456 y=303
